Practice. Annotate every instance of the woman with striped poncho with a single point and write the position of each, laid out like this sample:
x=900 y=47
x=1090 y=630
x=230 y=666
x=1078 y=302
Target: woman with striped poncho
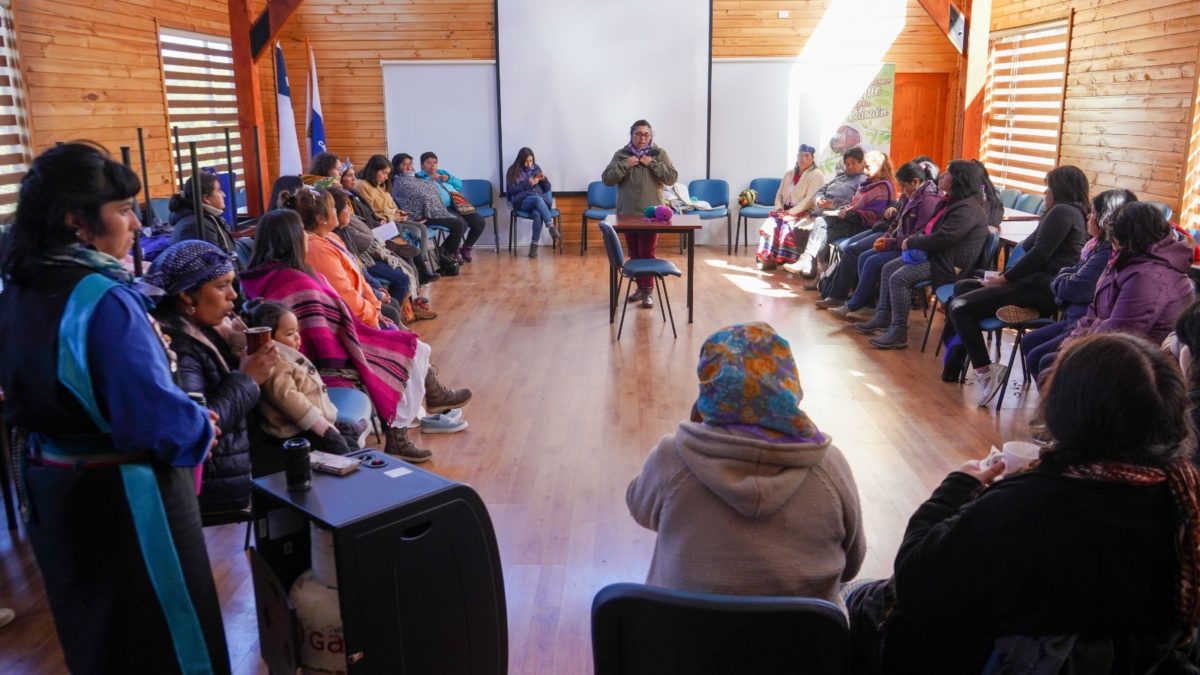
x=391 y=366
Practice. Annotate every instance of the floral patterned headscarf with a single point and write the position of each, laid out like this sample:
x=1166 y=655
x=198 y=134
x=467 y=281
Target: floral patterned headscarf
x=748 y=381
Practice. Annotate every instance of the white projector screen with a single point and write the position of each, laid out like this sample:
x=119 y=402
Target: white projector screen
x=574 y=74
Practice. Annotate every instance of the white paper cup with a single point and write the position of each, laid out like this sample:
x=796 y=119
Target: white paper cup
x=988 y=274
x=1018 y=454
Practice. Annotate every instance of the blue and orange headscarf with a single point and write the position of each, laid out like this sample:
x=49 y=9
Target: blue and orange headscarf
x=748 y=381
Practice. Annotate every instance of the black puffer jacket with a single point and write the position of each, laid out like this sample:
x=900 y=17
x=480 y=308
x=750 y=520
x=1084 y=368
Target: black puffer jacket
x=206 y=365
x=956 y=243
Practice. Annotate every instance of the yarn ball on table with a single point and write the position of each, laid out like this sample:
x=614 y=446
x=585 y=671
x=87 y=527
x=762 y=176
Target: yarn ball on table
x=663 y=213
x=649 y=212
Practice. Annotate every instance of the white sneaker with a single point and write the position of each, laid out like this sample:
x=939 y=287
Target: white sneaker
x=801 y=266
x=442 y=424
x=990 y=383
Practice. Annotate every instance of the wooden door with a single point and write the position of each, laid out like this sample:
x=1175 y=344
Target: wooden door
x=919 y=124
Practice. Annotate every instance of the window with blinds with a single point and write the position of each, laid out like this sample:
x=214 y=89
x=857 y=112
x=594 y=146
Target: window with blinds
x=1027 y=71
x=201 y=99
x=14 y=141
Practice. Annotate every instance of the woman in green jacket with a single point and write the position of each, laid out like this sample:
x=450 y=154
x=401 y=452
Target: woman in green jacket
x=640 y=170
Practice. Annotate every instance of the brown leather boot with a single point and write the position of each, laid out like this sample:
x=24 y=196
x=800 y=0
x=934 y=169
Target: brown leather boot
x=440 y=398
x=397 y=443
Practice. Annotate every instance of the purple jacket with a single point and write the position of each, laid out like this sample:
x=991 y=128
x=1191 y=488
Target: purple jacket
x=1141 y=294
x=912 y=215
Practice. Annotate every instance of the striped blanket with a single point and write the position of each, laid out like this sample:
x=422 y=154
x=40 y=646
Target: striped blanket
x=346 y=352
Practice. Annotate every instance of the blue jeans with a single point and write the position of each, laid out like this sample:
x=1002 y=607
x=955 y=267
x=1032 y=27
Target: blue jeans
x=539 y=207
x=870 y=271
x=1040 y=347
x=395 y=280
x=846 y=273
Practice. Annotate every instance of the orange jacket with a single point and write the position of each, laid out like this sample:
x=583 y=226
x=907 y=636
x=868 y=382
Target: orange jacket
x=328 y=255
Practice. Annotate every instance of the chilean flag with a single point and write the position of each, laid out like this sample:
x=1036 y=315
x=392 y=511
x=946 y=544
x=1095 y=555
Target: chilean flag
x=314 y=122
x=289 y=143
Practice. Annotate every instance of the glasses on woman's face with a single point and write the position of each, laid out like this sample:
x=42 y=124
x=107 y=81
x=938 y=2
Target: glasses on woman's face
x=641 y=134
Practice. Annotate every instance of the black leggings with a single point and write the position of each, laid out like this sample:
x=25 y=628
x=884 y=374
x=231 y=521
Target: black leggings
x=475 y=225
x=455 y=238
x=974 y=302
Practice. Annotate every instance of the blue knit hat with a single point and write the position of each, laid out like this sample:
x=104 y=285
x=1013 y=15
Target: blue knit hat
x=187 y=266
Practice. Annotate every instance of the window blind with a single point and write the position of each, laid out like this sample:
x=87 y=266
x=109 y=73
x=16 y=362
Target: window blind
x=1027 y=71
x=201 y=98
x=14 y=140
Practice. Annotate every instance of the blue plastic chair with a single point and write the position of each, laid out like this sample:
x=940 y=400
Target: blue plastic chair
x=619 y=268
x=353 y=406
x=945 y=293
x=161 y=209
x=601 y=203
x=515 y=213
x=1009 y=198
x=716 y=192
x=644 y=630
x=1030 y=203
x=766 y=188
x=479 y=193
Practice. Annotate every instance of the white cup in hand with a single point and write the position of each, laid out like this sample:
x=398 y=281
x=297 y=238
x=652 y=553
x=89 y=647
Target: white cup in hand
x=989 y=274
x=1018 y=455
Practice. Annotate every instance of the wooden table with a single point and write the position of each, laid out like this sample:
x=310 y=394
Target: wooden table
x=685 y=225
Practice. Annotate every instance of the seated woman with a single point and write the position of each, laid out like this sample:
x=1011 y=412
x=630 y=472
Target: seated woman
x=294 y=400
x=831 y=196
x=529 y=190
x=323 y=170
x=391 y=367
x=949 y=246
x=865 y=254
x=327 y=254
x=195 y=280
x=1146 y=284
x=210 y=226
x=1095 y=546
x=873 y=197
x=423 y=202
x=1074 y=287
x=749 y=497
x=793 y=203
x=1055 y=244
x=447 y=185
x=371 y=197
x=1187 y=335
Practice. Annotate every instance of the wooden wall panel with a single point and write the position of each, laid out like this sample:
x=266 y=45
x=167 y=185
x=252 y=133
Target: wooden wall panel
x=1131 y=80
x=92 y=71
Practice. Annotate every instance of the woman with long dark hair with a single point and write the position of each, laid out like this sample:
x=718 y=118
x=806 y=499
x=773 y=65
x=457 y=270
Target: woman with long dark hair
x=109 y=441
x=391 y=366
x=529 y=190
x=1053 y=245
x=948 y=246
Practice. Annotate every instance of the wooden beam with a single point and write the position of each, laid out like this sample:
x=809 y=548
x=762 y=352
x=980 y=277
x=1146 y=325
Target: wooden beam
x=248 y=39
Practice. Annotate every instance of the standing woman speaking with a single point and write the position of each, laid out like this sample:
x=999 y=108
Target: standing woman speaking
x=640 y=170
x=108 y=441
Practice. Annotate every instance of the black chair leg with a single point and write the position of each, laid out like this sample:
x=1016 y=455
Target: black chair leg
x=624 y=306
x=929 y=324
x=496 y=233
x=558 y=223
x=730 y=237
x=745 y=231
x=583 y=235
x=671 y=314
x=661 y=309
x=512 y=233
x=1011 y=355
x=249 y=529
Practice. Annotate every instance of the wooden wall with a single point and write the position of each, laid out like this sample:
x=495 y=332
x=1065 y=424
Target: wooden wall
x=92 y=71
x=1131 y=80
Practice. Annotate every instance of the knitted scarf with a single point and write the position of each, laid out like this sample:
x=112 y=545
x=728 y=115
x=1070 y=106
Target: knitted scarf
x=872 y=199
x=346 y=352
x=631 y=149
x=1183 y=482
x=102 y=263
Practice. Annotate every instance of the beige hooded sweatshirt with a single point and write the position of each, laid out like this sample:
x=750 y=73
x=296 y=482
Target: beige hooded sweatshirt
x=740 y=515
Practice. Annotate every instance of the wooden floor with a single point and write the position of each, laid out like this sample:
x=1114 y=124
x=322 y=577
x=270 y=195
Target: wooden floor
x=564 y=415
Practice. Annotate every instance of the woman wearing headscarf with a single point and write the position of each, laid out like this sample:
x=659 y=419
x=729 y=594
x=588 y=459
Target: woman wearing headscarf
x=749 y=497
x=640 y=170
x=793 y=202
x=109 y=443
x=193 y=281
x=1096 y=550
